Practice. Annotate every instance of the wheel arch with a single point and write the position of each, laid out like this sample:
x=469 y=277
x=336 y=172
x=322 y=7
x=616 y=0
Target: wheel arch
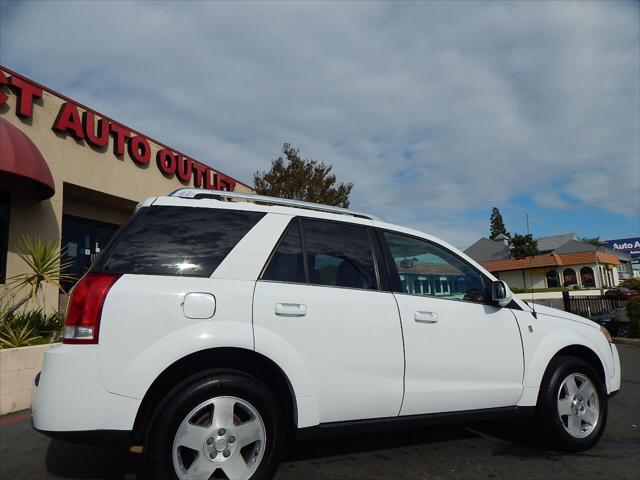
x=563 y=342
x=235 y=359
x=584 y=353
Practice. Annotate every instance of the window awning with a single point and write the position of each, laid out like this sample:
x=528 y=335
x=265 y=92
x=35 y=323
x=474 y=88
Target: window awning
x=20 y=157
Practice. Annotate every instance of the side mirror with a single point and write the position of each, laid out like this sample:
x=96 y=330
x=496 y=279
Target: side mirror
x=500 y=293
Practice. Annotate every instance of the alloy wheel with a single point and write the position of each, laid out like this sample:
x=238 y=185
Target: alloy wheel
x=223 y=437
x=578 y=405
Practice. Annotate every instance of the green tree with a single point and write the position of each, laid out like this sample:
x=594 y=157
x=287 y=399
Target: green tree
x=523 y=246
x=594 y=241
x=296 y=178
x=633 y=311
x=497 y=224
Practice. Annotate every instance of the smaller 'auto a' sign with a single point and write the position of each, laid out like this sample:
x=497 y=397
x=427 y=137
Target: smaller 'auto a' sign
x=626 y=245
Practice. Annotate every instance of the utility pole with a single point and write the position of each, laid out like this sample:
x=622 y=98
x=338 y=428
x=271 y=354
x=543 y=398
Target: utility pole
x=530 y=268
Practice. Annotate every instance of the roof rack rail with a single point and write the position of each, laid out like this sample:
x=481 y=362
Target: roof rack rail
x=198 y=193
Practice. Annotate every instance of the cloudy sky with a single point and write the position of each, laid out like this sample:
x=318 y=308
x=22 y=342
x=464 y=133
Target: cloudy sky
x=436 y=111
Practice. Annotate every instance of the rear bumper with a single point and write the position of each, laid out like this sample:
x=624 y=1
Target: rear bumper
x=68 y=395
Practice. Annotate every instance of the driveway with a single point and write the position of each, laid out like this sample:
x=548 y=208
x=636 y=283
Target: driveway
x=498 y=450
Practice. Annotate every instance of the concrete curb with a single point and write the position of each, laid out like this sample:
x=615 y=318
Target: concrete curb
x=627 y=341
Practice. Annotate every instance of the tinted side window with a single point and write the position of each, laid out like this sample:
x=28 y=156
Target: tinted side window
x=339 y=254
x=427 y=269
x=182 y=241
x=286 y=263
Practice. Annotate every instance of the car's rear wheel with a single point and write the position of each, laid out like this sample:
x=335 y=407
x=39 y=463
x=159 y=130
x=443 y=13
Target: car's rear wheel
x=224 y=426
x=573 y=404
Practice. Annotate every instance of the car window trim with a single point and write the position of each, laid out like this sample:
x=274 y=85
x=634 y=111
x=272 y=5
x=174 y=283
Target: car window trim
x=374 y=256
x=382 y=269
x=326 y=286
x=392 y=270
x=303 y=246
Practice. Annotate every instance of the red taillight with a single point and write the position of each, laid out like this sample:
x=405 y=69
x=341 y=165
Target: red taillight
x=82 y=322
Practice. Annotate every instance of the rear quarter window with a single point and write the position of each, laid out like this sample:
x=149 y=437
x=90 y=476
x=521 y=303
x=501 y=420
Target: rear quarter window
x=183 y=241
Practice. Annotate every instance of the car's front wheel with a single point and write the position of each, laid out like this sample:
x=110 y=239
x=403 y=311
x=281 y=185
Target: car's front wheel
x=225 y=426
x=573 y=404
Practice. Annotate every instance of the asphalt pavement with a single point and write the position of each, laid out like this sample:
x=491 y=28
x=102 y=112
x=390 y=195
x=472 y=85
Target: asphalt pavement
x=496 y=450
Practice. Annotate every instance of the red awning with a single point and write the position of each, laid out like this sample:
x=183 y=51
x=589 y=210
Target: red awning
x=20 y=157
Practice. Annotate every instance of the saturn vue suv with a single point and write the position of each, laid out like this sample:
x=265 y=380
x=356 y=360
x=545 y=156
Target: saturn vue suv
x=216 y=326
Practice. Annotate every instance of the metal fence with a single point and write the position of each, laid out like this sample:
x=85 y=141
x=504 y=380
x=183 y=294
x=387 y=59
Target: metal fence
x=595 y=305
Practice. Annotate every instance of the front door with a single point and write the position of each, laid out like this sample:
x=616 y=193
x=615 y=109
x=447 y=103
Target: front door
x=82 y=240
x=327 y=305
x=462 y=353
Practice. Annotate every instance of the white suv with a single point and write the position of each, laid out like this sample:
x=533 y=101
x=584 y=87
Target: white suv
x=210 y=331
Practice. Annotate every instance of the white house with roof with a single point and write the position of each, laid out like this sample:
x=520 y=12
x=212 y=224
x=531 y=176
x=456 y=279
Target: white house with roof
x=564 y=261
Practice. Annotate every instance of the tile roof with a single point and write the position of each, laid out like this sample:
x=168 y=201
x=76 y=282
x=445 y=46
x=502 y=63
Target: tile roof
x=550 y=260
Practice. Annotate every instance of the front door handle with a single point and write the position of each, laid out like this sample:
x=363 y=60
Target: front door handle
x=426 y=317
x=291 y=309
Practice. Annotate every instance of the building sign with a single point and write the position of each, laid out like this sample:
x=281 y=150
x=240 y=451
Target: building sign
x=625 y=245
x=84 y=125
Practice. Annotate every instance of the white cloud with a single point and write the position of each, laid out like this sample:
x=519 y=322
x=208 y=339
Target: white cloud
x=470 y=104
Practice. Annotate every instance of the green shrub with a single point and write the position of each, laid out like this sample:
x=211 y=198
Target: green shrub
x=633 y=310
x=33 y=327
x=632 y=283
x=16 y=336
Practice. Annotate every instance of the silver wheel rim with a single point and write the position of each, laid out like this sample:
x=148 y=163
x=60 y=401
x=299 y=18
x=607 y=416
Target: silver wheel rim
x=578 y=405
x=223 y=434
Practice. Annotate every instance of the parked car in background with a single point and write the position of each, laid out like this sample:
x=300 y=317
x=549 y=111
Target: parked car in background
x=211 y=331
x=616 y=322
x=621 y=293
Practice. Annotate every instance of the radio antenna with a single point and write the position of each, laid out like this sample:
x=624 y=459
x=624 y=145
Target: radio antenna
x=533 y=305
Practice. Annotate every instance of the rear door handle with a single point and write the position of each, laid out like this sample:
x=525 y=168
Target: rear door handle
x=291 y=309
x=426 y=317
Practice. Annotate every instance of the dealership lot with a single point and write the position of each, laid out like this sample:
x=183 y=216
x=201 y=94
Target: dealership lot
x=490 y=450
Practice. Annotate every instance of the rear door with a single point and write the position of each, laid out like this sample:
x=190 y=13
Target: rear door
x=320 y=294
x=462 y=352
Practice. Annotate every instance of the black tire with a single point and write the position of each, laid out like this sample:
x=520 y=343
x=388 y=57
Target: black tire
x=622 y=330
x=158 y=453
x=560 y=369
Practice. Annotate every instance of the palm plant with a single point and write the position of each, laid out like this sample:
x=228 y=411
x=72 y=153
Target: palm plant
x=18 y=336
x=46 y=267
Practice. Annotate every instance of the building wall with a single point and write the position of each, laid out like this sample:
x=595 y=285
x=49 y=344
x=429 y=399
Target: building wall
x=522 y=279
x=74 y=163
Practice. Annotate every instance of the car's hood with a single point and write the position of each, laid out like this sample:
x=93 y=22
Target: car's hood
x=554 y=312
